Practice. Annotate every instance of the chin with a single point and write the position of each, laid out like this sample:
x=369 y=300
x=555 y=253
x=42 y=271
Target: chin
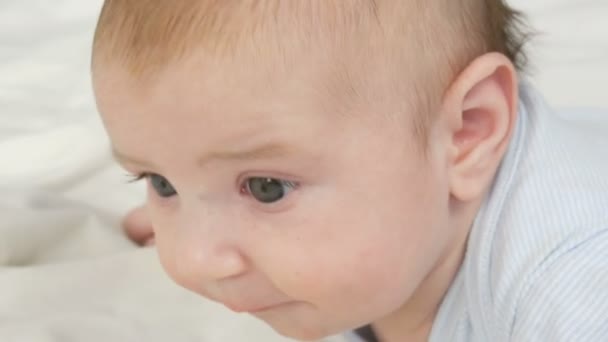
x=299 y=332
x=302 y=335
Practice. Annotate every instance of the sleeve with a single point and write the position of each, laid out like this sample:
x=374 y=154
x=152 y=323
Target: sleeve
x=568 y=300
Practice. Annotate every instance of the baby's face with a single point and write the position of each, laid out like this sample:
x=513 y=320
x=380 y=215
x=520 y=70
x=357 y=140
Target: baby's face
x=275 y=196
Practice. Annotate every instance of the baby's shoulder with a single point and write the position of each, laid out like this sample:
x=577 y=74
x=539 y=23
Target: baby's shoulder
x=534 y=287
x=555 y=194
x=549 y=212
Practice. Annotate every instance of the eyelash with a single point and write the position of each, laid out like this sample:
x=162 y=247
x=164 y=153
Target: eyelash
x=244 y=187
x=134 y=178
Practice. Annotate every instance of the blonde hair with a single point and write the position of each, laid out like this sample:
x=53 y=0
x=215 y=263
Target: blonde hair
x=145 y=36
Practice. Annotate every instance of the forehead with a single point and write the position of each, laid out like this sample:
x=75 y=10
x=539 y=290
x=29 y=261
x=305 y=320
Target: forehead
x=220 y=92
x=193 y=106
x=327 y=80
x=222 y=106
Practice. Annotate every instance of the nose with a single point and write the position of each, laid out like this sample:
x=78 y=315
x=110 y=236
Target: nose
x=207 y=249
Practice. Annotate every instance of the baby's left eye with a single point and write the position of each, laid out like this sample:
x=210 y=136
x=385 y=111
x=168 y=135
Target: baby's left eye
x=162 y=186
x=268 y=190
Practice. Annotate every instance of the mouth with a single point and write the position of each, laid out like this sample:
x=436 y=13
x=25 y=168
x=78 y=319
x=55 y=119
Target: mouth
x=256 y=309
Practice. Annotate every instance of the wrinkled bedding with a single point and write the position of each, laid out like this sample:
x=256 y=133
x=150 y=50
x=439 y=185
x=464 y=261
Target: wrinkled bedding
x=66 y=271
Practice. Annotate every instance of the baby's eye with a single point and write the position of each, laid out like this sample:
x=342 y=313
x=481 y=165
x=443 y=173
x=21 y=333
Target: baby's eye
x=162 y=186
x=269 y=190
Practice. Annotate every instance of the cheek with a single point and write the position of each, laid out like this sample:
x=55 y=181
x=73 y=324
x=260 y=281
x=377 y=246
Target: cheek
x=372 y=241
x=348 y=282
x=337 y=260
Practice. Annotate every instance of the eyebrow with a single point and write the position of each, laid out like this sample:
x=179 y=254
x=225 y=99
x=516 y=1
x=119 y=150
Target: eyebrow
x=267 y=151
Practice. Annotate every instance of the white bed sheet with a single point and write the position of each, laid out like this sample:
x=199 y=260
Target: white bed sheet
x=66 y=271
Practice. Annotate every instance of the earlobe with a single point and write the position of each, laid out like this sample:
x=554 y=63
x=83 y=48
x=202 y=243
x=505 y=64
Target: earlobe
x=483 y=111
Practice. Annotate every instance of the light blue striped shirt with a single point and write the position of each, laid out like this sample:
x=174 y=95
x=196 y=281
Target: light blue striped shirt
x=536 y=267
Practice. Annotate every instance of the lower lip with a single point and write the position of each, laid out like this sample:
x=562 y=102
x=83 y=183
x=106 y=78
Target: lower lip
x=259 y=310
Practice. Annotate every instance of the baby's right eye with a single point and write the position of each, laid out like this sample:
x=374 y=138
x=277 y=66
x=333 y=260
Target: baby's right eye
x=161 y=185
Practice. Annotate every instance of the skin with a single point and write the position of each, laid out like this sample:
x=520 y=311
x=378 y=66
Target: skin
x=138 y=228
x=375 y=230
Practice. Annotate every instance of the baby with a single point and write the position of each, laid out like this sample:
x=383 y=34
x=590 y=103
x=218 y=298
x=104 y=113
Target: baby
x=372 y=168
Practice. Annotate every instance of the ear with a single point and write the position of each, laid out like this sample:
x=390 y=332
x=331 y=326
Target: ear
x=481 y=109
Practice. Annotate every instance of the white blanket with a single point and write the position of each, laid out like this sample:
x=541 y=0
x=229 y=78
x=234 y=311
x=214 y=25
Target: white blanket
x=67 y=273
